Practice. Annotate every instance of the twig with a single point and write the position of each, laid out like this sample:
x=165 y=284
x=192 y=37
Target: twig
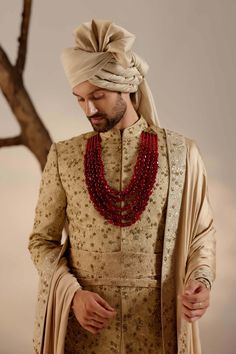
x=15 y=140
x=22 y=39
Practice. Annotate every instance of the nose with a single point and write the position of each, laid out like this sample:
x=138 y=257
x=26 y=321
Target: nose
x=90 y=108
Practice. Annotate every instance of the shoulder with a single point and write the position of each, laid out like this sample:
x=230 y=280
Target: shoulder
x=73 y=144
x=176 y=140
x=194 y=159
x=173 y=137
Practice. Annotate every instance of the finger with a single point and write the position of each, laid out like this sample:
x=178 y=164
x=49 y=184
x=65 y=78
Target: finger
x=192 y=313
x=200 y=290
x=92 y=329
x=94 y=323
x=196 y=305
x=98 y=318
x=192 y=287
x=200 y=297
x=102 y=312
x=103 y=302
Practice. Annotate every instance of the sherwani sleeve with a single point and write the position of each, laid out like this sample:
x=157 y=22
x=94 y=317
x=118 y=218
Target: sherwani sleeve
x=201 y=249
x=57 y=285
x=50 y=216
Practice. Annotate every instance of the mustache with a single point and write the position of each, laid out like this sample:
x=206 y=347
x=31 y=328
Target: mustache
x=97 y=115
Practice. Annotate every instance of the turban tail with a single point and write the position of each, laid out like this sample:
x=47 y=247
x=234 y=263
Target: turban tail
x=103 y=56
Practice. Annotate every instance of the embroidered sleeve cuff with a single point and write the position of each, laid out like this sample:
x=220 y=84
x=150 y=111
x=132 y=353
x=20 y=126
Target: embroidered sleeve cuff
x=205 y=281
x=204 y=275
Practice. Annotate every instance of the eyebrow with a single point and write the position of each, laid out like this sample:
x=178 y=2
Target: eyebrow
x=98 y=89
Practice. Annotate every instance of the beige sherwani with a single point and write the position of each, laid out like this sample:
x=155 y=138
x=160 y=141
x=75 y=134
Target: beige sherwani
x=139 y=269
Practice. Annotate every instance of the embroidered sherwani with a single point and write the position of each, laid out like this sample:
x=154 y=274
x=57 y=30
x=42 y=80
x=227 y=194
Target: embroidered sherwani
x=140 y=269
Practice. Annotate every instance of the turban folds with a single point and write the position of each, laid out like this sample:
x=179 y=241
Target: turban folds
x=102 y=55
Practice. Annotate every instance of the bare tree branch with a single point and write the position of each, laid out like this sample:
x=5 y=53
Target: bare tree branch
x=6 y=69
x=33 y=132
x=15 y=140
x=22 y=39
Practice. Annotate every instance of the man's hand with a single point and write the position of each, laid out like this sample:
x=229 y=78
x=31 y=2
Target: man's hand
x=195 y=300
x=91 y=310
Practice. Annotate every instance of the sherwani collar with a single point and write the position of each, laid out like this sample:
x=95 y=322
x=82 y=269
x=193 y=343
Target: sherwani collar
x=132 y=131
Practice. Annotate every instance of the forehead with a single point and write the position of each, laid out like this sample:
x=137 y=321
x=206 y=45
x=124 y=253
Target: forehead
x=85 y=88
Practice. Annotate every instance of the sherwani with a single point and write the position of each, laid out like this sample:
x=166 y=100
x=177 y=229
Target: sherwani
x=139 y=269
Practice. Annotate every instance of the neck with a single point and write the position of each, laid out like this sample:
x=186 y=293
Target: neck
x=130 y=117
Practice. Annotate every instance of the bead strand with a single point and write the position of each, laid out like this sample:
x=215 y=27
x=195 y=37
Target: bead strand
x=135 y=196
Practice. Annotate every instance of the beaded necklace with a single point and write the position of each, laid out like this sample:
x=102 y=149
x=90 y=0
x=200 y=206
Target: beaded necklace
x=121 y=208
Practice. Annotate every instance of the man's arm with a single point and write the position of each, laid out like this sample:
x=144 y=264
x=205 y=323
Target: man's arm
x=50 y=214
x=90 y=309
x=200 y=267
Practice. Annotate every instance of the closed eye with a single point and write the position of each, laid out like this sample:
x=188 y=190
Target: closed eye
x=98 y=96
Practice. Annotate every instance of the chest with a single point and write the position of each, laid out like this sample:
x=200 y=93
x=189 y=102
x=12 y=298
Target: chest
x=89 y=230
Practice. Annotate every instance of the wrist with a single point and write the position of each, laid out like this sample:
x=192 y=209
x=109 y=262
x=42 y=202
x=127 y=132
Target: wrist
x=205 y=282
x=75 y=294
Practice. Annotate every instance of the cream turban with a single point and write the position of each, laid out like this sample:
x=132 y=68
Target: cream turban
x=102 y=54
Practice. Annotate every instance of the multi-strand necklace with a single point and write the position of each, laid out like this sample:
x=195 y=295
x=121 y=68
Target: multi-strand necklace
x=122 y=208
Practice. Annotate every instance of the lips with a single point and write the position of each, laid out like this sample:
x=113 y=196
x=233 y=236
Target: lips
x=96 y=120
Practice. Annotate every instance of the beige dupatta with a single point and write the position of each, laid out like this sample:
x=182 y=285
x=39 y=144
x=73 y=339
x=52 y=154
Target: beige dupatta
x=63 y=287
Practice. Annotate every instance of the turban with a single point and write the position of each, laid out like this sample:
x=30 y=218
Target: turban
x=102 y=55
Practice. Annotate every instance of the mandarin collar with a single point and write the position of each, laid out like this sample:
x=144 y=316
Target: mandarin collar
x=129 y=132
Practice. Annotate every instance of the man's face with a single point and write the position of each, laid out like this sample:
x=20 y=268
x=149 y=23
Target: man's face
x=104 y=108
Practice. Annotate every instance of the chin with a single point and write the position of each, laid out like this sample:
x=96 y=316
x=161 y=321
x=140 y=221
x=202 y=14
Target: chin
x=100 y=129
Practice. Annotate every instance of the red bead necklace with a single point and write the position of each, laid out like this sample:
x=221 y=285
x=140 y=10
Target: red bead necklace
x=121 y=208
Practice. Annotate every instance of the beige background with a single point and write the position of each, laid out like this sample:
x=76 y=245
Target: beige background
x=190 y=46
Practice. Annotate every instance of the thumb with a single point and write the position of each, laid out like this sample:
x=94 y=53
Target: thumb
x=191 y=287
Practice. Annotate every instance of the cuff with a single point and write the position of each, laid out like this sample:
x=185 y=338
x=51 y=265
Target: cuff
x=205 y=281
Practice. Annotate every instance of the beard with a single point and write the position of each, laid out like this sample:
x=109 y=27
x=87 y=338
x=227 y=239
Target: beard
x=106 y=122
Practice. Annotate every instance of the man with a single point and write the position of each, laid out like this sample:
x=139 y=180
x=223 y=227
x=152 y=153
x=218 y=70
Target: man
x=135 y=272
